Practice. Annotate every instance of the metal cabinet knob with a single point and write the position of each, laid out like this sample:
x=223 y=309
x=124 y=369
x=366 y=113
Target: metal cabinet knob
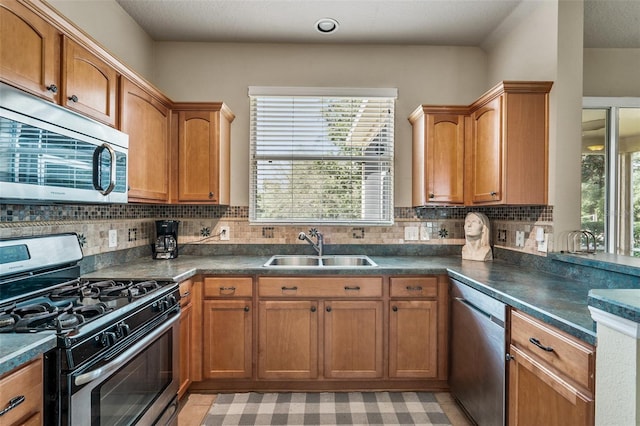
x=73 y=98
x=394 y=309
x=328 y=308
x=313 y=309
x=246 y=309
x=52 y=88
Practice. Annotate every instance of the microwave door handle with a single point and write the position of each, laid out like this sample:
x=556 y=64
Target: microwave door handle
x=96 y=169
x=125 y=356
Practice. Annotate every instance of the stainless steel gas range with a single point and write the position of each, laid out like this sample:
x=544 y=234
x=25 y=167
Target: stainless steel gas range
x=116 y=358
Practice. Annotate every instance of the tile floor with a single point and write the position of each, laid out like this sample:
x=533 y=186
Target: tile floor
x=194 y=406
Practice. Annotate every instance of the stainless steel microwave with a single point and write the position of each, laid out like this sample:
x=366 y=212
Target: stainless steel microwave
x=49 y=153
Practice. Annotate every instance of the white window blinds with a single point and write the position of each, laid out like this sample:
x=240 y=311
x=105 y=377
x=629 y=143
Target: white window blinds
x=322 y=155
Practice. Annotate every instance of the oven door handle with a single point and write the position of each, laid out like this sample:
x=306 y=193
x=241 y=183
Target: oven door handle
x=85 y=378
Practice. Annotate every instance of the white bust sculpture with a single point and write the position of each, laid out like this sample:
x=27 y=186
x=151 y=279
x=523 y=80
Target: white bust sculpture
x=476 y=234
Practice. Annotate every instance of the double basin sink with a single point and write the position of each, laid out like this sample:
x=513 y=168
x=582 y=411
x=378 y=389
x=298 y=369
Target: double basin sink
x=303 y=261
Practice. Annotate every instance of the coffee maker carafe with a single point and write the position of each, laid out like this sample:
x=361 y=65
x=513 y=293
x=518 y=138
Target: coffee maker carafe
x=166 y=246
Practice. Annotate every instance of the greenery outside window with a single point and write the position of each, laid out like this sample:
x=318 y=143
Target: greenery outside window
x=611 y=173
x=321 y=155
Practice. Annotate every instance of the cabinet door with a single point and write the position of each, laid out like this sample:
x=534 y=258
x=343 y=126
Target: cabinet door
x=146 y=120
x=186 y=324
x=90 y=85
x=413 y=338
x=288 y=340
x=198 y=155
x=486 y=153
x=537 y=396
x=445 y=158
x=29 y=51
x=353 y=339
x=227 y=339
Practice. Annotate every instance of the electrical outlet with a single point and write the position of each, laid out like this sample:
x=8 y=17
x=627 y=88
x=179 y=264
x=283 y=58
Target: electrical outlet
x=113 y=237
x=424 y=232
x=543 y=245
x=519 y=238
x=224 y=233
x=410 y=233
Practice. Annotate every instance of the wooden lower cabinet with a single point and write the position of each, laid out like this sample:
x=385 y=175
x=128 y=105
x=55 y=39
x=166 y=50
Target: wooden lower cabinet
x=288 y=339
x=353 y=339
x=413 y=338
x=227 y=330
x=551 y=375
x=186 y=340
x=24 y=382
x=537 y=396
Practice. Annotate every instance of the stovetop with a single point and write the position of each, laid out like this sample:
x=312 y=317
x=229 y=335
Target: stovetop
x=69 y=306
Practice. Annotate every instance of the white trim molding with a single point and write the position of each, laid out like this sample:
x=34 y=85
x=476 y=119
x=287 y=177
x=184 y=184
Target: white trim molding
x=622 y=325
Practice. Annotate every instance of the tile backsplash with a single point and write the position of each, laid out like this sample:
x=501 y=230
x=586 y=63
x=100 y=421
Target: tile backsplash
x=200 y=224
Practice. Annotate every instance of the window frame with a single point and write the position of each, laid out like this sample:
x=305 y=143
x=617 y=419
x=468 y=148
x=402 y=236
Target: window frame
x=385 y=208
x=613 y=219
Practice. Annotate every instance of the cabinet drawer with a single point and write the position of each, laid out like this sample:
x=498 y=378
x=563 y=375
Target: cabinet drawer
x=25 y=382
x=572 y=358
x=185 y=292
x=228 y=287
x=414 y=287
x=320 y=287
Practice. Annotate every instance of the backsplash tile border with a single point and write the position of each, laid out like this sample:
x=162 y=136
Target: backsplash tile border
x=200 y=224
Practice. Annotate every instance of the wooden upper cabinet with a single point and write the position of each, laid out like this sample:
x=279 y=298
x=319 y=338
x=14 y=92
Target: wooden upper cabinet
x=29 y=51
x=438 y=155
x=494 y=151
x=204 y=153
x=146 y=120
x=90 y=84
x=486 y=158
x=508 y=155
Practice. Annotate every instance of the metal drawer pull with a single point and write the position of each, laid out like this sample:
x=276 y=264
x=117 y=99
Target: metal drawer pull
x=186 y=294
x=229 y=289
x=13 y=403
x=294 y=288
x=540 y=345
x=355 y=288
x=416 y=288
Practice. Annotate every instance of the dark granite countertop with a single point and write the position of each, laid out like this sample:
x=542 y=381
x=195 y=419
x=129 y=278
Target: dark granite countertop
x=624 y=303
x=556 y=300
x=20 y=348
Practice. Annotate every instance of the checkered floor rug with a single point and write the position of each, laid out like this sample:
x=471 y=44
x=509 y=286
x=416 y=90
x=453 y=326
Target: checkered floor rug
x=327 y=408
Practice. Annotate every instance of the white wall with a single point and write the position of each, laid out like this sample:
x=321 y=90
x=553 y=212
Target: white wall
x=612 y=72
x=107 y=23
x=543 y=41
x=223 y=71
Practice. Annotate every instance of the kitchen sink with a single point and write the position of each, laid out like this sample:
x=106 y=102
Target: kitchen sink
x=333 y=261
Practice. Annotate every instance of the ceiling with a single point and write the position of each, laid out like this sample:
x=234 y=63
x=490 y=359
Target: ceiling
x=608 y=23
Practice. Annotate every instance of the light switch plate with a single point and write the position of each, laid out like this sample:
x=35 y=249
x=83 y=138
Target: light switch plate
x=224 y=233
x=543 y=245
x=113 y=238
x=424 y=232
x=519 y=238
x=410 y=233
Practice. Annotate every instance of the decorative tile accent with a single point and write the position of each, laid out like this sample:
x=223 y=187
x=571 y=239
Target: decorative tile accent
x=205 y=232
x=267 y=232
x=357 y=233
x=133 y=234
x=443 y=233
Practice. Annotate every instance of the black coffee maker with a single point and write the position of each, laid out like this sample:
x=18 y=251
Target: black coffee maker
x=166 y=246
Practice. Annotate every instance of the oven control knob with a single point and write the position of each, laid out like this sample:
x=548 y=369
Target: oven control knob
x=124 y=329
x=172 y=300
x=108 y=338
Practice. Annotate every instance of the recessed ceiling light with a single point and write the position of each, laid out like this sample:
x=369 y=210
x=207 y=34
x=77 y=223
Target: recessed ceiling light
x=326 y=25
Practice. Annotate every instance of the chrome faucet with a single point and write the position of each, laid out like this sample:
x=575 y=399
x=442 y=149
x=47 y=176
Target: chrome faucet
x=319 y=246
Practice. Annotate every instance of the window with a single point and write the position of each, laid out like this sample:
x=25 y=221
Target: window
x=611 y=173
x=321 y=155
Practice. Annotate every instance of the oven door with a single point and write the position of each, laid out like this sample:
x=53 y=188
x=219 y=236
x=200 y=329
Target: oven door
x=138 y=386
